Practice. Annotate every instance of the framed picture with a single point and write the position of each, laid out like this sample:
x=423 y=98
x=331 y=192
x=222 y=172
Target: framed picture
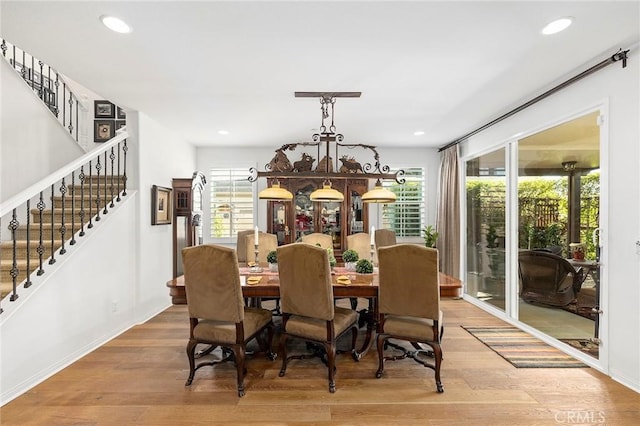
x=120 y=114
x=161 y=208
x=103 y=130
x=120 y=123
x=104 y=109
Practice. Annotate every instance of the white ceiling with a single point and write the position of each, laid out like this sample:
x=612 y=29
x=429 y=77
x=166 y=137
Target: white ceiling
x=444 y=68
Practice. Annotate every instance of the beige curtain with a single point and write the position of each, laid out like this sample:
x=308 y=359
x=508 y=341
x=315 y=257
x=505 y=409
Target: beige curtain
x=448 y=213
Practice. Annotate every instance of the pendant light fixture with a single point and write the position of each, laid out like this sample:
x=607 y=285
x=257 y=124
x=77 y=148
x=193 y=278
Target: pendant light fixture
x=379 y=194
x=327 y=194
x=275 y=193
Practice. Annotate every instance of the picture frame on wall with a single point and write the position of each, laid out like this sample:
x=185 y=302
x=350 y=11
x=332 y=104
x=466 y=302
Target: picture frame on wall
x=120 y=124
x=120 y=114
x=104 y=109
x=103 y=130
x=161 y=206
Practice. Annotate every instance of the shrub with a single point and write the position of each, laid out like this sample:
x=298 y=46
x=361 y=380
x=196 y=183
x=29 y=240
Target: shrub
x=272 y=256
x=350 y=256
x=364 y=266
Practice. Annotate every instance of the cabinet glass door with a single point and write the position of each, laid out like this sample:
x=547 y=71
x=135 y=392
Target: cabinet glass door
x=330 y=222
x=304 y=212
x=355 y=222
x=278 y=221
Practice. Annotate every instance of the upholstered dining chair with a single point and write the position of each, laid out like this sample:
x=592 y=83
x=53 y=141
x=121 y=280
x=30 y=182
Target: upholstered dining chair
x=361 y=243
x=241 y=246
x=306 y=299
x=409 y=305
x=217 y=315
x=324 y=240
x=548 y=278
x=266 y=243
x=384 y=237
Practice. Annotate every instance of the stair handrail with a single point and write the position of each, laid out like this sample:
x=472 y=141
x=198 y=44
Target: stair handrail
x=17 y=200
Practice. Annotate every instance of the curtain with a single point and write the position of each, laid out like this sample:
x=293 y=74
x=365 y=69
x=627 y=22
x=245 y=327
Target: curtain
x=448 y=213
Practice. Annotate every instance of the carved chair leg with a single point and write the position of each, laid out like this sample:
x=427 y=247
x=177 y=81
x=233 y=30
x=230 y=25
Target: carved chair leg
x=283 y=345
x=381 y=341
x=437 y=352
x=191 y=348
x=270 y=332
x=331 y=365
x=239 y=352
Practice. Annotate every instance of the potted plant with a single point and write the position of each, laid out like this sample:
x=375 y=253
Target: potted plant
x=332 y=258
x=350 y=258
x=430 y=236
x=364 y=266
x=272 y=259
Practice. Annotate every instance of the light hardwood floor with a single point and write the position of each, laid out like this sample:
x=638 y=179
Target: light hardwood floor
x=138 y=379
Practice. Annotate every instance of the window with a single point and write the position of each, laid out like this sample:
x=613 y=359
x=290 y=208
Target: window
x=406 y=215
x=231 y=202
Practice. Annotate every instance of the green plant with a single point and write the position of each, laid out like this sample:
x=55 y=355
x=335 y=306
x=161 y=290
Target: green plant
x=272 y=256
x=364 y=266
x=350 y=256
x=430 y=236
x=492 y=237
x=332 y=258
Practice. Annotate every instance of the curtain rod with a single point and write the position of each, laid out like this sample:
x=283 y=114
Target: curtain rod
x=620 y=55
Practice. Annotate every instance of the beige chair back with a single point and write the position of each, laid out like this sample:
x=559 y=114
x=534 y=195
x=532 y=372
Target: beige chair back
x=305 y=281
x=266 y=243
x=212 y=283
x=385 y=237
x=241 y=245
x=409 y=281
x=324 y=240
x=361 y=243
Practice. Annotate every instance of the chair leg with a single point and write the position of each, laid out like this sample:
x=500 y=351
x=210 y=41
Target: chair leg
x=331 y=365
x=191 y=348
x=380 y=343
x=437 y=352
x=283 y=345
x=270 y=332
x=239 y=352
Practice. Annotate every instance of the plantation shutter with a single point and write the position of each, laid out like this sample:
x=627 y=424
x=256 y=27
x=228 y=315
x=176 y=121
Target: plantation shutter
x=231 y=202
x=406 y=215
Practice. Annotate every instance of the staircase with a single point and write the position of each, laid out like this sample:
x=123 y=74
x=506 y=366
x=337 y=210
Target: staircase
x=74 y=212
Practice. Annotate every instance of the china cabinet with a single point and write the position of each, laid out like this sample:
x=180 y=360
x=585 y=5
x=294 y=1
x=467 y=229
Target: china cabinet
x=291 y=220
x=187 y=216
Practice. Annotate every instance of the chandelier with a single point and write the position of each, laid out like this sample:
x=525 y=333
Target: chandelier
x=326 y=142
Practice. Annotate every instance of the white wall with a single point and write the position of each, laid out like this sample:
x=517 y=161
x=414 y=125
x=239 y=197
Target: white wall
x=32 y=142
x=395 y=158
x=621 y=220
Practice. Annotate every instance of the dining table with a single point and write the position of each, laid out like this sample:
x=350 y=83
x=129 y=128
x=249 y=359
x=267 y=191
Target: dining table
x=261 y=282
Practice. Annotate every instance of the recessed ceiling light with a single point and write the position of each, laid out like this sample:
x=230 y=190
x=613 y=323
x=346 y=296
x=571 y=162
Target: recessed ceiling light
x=115 y=24
x=223 y=132
x=557 y=25
x=418 y=133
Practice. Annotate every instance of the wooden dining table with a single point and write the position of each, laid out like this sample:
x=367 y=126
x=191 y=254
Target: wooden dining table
x=355 y=285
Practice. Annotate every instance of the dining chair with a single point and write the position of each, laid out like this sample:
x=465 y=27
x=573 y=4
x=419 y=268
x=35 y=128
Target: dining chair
x=308 y=311
x=316 y=238
x=266 y=244
x=241 y=245
x=217 y=314
x=409 y=305
x=384 y=237
x=361 y=243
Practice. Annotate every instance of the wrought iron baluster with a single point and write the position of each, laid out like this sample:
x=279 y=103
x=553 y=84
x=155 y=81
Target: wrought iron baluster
x=41 y=206
x=53 y=243
x=3 y=46
x=90 y=225
x=64 y=100
x=81 y=176
x=32 y=75
x=28 y=283
x=41 y=87
x=112 y=157
x=70 y=127
x=13 y=225
x=77 y=122
x=106 y=201
x=118 y=178
x=73 y=208
x=98 y=168
x=57 y=84
x=124 y=175
x=63 y=227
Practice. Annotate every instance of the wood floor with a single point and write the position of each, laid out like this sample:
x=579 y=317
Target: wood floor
x=138 y=379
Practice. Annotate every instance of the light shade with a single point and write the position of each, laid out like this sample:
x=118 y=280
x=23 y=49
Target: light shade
x=276 y=193
x=557 y=25
x=379 y=195
x=326 y=194
x=115 y=24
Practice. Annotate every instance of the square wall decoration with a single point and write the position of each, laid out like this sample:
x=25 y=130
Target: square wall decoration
x=104 y=109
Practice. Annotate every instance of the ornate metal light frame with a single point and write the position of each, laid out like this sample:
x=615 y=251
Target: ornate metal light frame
x=281 y=168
